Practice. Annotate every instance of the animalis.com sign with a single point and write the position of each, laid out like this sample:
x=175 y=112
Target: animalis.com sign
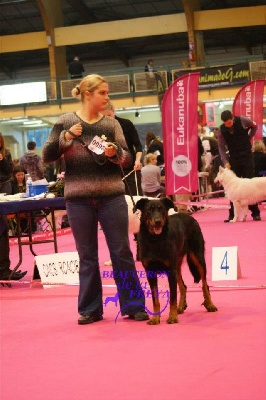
x=180 y=135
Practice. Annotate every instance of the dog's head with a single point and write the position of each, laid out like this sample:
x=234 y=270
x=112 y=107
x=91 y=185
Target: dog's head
x=224 y=176
x=154 y=213
x=219 y=176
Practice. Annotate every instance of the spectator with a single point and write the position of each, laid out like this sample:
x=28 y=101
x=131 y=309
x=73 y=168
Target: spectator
x=6 y=167
x=151 y=177
x=153 y=145
x=149 y=66
x=33 y=163
x=259 y=155
x=18 y=181
x=150 y=78
x=212 y=161
x=133 y=181
x=5 y=270
x=76 y=68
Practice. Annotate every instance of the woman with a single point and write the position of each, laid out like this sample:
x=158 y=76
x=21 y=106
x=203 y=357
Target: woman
x=154 y=145
x=94 y=193
x=6 y=167
x=18 y=184
x=151 y=177
x=18 y=181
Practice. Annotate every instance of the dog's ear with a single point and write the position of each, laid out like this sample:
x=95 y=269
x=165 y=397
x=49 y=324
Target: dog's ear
x=140 y=204
x=168 y=203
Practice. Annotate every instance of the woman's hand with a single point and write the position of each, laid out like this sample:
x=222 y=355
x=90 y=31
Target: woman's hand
x=73 y=132
x=110 y=150
x=227 y=165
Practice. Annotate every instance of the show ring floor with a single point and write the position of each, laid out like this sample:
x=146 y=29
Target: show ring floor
x=45 y=354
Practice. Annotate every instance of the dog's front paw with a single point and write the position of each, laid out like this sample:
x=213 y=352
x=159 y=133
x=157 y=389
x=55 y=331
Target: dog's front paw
x=172 y=320
x=154 y=321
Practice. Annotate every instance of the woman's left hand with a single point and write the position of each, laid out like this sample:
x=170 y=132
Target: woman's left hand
x=110 y=150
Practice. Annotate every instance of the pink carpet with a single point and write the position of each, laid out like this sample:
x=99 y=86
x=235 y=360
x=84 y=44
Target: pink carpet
x=45 y=355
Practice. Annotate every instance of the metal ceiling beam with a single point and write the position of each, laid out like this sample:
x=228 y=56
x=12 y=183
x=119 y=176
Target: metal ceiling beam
x=195 y=39
x=139 y=27
x=52 y=17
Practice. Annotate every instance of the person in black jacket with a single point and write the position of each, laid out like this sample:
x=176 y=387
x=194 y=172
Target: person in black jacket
x=76 y=68
x=6 y=167
x=154 y=145
x=235 y=134
x=133 y=181
x=259 y=155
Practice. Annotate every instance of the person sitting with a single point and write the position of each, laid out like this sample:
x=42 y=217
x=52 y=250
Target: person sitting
x=259 y=155
x=5 y=270
x=151 y=177
x=6 y=167
x=18 y=181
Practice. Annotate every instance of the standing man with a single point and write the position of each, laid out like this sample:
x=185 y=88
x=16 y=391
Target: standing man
x=33 y=163
x=236 y=133
x=76 y=68
x=133 y=181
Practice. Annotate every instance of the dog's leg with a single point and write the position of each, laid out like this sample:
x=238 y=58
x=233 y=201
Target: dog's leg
x=236 y=211
x=245 y=212
x=208 y=304
x=182 y=305
x=153 y=282
x=173 y=279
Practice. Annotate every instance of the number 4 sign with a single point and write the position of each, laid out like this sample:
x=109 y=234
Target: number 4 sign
x=225 y=265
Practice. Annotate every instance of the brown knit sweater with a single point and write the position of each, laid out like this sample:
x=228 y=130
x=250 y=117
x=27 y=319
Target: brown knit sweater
x=88 y=174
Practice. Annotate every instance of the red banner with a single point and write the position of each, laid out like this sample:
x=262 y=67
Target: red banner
x=249 y=103
x=180 y=135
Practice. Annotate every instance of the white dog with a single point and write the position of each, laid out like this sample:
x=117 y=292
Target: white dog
x=242 y=192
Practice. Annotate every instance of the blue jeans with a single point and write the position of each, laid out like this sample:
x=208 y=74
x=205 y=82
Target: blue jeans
x=112 y=213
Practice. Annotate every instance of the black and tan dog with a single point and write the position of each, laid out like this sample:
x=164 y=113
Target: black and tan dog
x=163 y=242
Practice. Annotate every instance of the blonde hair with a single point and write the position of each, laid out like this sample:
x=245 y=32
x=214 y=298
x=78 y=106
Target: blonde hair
x=258 y=145
x=88 y=83
x=149 y=157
